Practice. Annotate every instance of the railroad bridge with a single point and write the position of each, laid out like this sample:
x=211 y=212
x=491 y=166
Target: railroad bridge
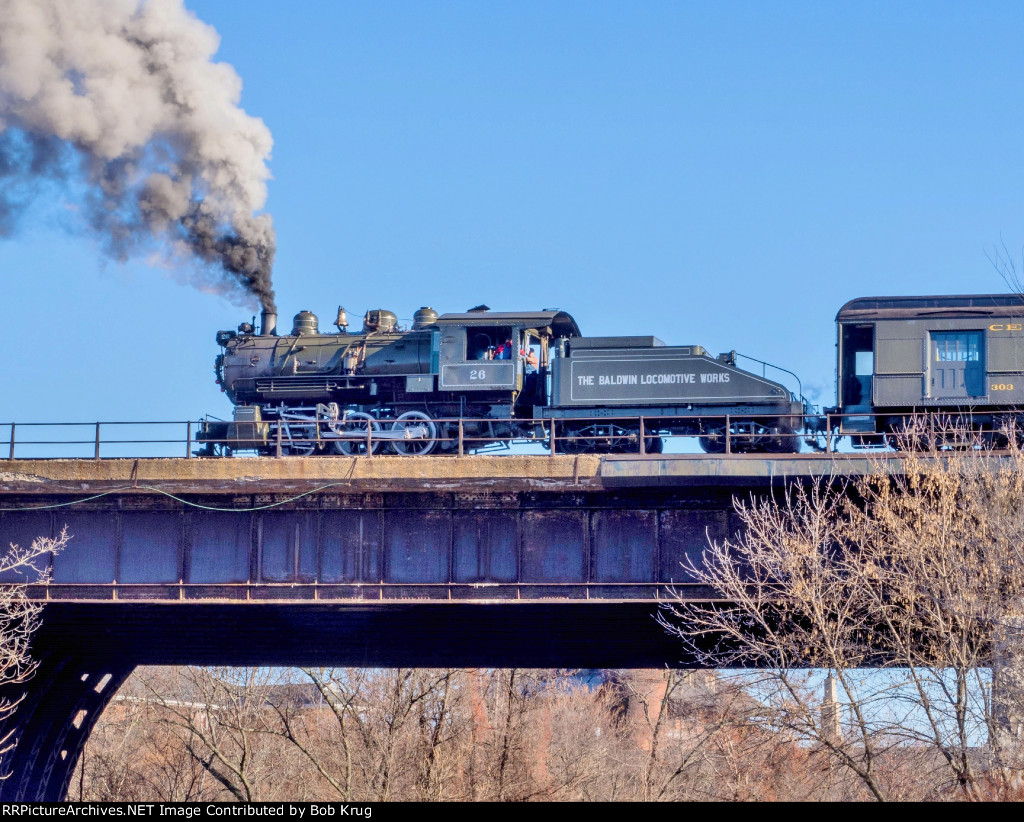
x=547 y=561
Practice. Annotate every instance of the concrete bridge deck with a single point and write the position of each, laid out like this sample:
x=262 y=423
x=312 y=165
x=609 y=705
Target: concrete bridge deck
x=392 y=473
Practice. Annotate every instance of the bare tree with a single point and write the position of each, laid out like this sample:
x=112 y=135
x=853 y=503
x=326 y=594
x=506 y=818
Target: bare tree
x=135 y=753
x=219 y=716
x=20 y=617
x=441 y=735
x=378 y=733
x=913 y=573
x=1004 y=263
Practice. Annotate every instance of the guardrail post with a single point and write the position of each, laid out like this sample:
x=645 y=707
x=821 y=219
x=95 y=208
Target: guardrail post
x=828 y=433
x=10 y=456
x=728 y=434
x=188 y=440
x=552 y=436
x=643 y=443
x=278 y=438
x=97 y=453
x=369 y=438
x=462 y=451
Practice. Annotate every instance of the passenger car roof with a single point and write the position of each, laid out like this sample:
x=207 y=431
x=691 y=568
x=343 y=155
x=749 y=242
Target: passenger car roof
x=889 y=308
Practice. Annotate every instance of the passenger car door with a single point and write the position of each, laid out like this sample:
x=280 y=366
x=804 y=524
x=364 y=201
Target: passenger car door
x=957 y=364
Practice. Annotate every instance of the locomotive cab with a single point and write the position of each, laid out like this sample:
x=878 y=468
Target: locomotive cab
x=487 y=352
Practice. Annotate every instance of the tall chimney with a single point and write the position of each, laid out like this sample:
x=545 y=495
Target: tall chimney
x=268 y=323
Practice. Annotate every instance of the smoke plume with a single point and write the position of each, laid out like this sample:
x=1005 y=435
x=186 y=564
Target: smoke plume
x=119 y=105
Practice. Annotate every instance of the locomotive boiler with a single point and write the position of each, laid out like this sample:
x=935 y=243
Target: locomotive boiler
x=478 y=379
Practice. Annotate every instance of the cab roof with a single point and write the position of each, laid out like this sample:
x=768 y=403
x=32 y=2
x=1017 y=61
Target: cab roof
x=561 y=323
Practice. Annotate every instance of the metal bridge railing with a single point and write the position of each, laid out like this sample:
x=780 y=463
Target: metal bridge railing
x=97 y=440
x=646 y=435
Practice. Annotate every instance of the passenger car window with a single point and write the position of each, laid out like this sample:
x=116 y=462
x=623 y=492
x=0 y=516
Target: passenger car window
x=957 y=346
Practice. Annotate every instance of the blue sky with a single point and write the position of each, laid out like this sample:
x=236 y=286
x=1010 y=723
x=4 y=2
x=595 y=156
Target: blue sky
x=726 y=174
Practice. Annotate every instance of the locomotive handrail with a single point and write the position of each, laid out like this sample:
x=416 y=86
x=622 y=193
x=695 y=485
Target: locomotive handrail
x=764 y=365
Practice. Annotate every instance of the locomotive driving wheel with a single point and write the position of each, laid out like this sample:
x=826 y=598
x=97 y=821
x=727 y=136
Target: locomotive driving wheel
x=421 y=432
x=357 y=422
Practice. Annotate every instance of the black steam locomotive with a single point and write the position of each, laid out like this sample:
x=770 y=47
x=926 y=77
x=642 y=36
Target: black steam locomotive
x=476 y=381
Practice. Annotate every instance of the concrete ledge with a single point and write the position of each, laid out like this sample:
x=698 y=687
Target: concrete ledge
x=739 y=469
x=471 y=474
x=253 y=475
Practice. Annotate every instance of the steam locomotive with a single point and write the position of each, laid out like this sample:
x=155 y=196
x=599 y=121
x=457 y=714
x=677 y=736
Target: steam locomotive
x=477 y=380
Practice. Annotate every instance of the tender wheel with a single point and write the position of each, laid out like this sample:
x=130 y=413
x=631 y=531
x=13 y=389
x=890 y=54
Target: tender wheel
x=361 y=423
x=564 y=442
x=417 y=446
x=912 y=439
x=300 y=439
x=623 y=440
x=993 y=441
x=654 y=444
x=712 y=441
x=782 y=441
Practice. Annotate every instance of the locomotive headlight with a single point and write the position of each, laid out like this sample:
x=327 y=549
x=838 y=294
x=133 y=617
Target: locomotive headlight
x=223 y=337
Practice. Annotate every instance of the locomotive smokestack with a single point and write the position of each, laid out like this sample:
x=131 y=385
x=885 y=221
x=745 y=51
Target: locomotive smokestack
x=268 y=323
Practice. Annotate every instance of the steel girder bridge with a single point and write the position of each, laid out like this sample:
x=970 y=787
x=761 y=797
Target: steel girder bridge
x=481 y=561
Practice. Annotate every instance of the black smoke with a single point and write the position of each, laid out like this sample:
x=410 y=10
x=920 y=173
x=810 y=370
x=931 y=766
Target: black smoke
x=117 y=107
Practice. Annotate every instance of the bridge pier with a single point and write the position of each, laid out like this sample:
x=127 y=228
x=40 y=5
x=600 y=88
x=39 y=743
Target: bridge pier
x=57 y=710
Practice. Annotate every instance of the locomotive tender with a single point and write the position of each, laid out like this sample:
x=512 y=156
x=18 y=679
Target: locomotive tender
x=476 y=380
x=483 y=378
